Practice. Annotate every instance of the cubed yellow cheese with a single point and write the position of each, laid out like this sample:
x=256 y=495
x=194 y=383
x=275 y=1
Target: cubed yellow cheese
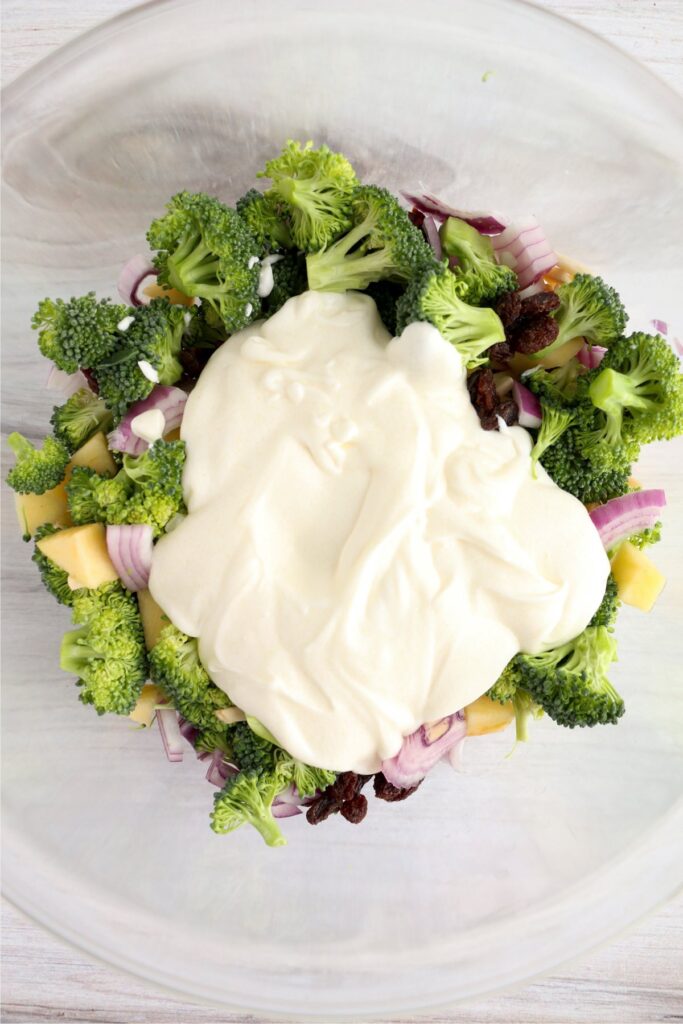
x=639 y=581
x=486 y=715
x=155 y=291
x=153 y=618
x=95 y=455
x=35 y=509
x=145 y=709
x=173 y=435
x=82 y=552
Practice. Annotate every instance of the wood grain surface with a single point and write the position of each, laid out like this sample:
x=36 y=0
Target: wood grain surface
x=638 y=979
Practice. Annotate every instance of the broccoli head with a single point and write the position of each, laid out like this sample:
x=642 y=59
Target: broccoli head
x=247 y=799
x=587 y=480
x=175 y=667
x=382 y=243
x=606 y=615
x=148 y=354
x=55 y=580
x=570 y=682
x=289 y=277
x=37 y=469
x=505 y=687
x=207 y=250
x=435 y=296
x=314 y=187
x=267 y=220
x=484 y=278
x=555 y=420
x=107 y=651
x=588 y=309
x=81 y=416
x=386 y=295
x=147 y=489
x=79 y=332
x=638 y=389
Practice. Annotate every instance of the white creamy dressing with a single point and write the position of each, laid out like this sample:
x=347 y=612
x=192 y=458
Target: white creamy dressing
x=360 y=557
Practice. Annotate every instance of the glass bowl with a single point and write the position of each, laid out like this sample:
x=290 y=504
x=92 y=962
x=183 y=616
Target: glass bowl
x=481 y=880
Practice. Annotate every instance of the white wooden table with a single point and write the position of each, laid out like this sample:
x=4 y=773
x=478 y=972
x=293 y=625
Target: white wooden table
x=639 y=978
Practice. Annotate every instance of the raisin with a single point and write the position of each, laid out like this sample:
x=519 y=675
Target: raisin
x=482 y=389
x=193 y=360
x=355 y=810
x=541 y=302
x=508 y=412
x=417 y=217
x=534 y=334
x=385 y=790
x=508 y=308
x=321 y=809
x=344 y=787
x=501 y=353
x=92 y=381
x=489 y=421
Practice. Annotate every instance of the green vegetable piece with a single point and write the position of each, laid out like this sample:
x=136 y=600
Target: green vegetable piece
x=77 y=333
x=37 y=469
x=484 y=279
x=81 y=416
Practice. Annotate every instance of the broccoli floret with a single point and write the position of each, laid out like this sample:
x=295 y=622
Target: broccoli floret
x=251 y=752
x=588 y=309
x=485 y=279
x=505 y=687
x=386 y=295
x=246 y=799
x=566 y=464
x=651 y=535
x=81 y=416
x=382 y=244
x=55 y=580
x=154 y=339
x=315 y=187
x=37 y=469
x=267 y=220
x=570 y=682
x=308 y=780
x=80 y=332
x=147 y=489
x=526 y=710
x=638 y=389
x=107 y=651
x=174 y=666
x=554 y=422
x=435 y=296
x=606 y=615
x=289 y=277
x=206 y=250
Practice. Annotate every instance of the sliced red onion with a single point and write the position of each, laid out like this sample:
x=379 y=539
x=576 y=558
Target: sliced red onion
x=284 y=810
x=530 y=412
x=67 y=383
x=591 y=356
x=484 y=223
x=431 y=233
x=534 y=289
x=622 y=517
x=130 y=549
x=422 y=749
x=524 y=247
x=220 y=770
x=135 y=274
x=660 y=326
x=169 y=728
x=167 y=399
x=188 y=731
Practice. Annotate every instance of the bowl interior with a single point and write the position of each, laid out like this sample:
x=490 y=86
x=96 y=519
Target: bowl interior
x=479 y=880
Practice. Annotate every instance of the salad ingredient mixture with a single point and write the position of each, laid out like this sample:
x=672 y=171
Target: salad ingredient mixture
x=379 y=557
x=323 y=536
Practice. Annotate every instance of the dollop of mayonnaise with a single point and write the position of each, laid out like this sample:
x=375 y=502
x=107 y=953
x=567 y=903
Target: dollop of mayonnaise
x=359 y=556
